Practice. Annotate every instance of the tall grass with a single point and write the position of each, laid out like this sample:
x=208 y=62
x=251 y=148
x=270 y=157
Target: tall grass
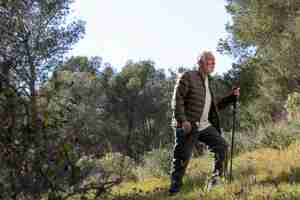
x=265 y=173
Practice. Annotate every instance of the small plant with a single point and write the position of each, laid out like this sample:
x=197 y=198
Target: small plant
x=119 y=165
x=155 y=163
x=278 y=136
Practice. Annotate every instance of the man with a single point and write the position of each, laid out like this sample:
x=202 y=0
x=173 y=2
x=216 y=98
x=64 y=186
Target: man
x=195 y=114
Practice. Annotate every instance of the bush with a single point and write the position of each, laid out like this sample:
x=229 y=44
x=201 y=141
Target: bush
x=270 y=135
x=254 y=115
x=280 y=135
x=112 y=166
x=118 y=165
x=155 y=163
x=243 y=141
x=86 y=164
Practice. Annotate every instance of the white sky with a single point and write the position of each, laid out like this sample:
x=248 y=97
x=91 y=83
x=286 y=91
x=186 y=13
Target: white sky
x=169 y=32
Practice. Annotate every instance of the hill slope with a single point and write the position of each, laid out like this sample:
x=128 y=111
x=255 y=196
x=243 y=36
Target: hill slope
x=261 y=174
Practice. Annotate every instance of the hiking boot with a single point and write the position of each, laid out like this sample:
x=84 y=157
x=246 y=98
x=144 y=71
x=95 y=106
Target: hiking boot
x=175 y=187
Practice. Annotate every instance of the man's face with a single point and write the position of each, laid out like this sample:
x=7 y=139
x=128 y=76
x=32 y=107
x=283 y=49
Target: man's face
x=209 y=66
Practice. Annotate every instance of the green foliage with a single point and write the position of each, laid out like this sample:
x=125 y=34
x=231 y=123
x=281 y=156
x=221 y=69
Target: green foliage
x=92 y=65
x=278 y=137
x=138 y=102
x=56 y=134
x=263 y=39
x=38 y=157
x=293 y=195
x=87 y=163
x=293 y=105
x=263 y=173
x=155 y=163
x=118 y=165
x=254 y=115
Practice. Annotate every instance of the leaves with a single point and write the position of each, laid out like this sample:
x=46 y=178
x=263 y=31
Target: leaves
x=264 y=40
x=34 y=37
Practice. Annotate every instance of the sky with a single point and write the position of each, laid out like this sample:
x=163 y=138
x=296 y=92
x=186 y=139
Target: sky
x=172 y=33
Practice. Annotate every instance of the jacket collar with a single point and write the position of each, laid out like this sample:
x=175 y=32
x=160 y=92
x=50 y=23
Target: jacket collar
x=202 y=76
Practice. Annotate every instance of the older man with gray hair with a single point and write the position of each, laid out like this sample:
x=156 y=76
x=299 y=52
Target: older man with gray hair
x=196 y=119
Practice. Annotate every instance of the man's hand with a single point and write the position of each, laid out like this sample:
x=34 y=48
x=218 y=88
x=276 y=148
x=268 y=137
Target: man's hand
x=236 y=91
x=186 y=126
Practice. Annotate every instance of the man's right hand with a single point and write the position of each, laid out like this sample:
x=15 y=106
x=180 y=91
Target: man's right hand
x=186 y=126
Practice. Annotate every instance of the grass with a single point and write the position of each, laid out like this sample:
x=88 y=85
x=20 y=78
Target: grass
x=266 y=174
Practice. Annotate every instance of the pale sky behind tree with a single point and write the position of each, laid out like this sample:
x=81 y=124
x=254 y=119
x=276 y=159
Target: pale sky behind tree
x=171 y=33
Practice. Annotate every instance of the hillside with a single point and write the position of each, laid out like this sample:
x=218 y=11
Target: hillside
x=261 y=174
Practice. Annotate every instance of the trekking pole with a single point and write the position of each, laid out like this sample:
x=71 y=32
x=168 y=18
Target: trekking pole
x=232 y=139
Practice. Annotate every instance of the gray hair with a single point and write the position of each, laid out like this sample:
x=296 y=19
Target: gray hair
x=203 y=57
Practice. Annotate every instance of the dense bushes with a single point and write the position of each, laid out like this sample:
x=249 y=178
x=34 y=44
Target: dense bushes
x=270 y=135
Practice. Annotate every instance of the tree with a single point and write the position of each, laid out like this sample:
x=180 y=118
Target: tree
x=82 y=64
x=34 y=38
x=264 y=39
x=138 y=106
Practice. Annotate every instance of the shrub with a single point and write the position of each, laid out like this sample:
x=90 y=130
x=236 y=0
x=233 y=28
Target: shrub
x=254 y=114
x=155 y=163
x=271 y=135
x=279 y=135
x=243 y=141
x=118 y=165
